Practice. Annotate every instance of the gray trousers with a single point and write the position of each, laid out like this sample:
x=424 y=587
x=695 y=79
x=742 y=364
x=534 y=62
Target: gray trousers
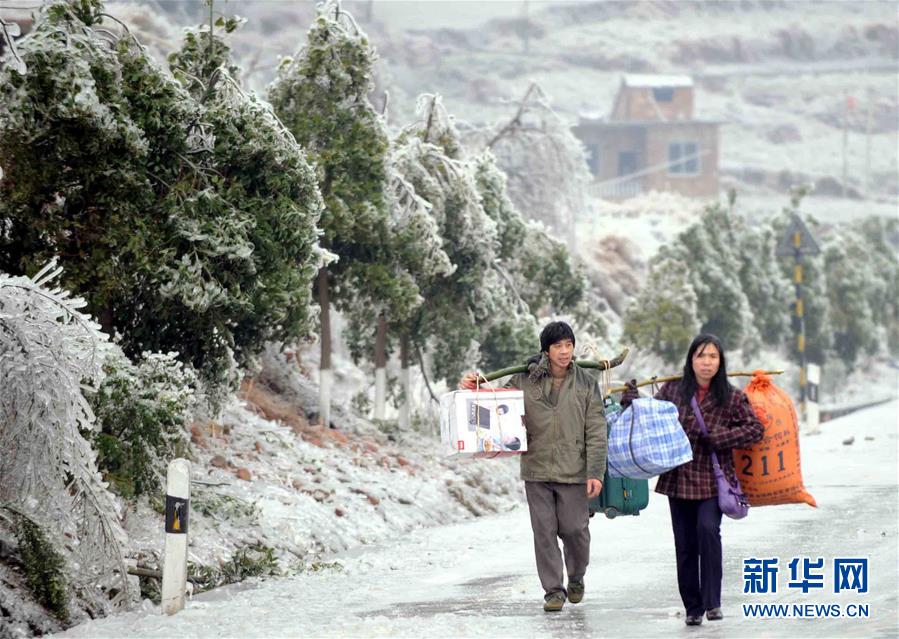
x=559 y=511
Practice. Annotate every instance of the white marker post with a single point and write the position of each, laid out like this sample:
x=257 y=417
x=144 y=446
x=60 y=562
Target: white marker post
x=812 y=415
x=177 y=512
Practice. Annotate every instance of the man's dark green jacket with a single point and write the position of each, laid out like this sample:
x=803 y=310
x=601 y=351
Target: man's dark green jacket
x=567 y=439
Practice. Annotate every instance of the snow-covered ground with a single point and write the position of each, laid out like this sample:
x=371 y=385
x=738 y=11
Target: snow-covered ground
x=272 y=479
x=478 y=578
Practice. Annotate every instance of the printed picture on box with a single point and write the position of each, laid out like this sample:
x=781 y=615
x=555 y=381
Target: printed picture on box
x=501 y=438
x=478 y=415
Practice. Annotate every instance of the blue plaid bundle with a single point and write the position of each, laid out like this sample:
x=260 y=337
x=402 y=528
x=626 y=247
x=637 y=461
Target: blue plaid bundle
x=646 y=440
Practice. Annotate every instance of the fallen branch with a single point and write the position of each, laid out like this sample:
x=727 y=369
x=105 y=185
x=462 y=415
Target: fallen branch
x=210 y=483
x=156 y=574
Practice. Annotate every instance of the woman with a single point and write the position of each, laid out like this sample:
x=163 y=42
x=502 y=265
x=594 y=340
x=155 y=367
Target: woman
x=691 y=488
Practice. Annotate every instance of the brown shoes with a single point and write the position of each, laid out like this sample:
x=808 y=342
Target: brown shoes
x=554 y=602
x=575 y=591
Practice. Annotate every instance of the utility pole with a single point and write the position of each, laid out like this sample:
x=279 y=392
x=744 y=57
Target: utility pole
x=870 y=109
x=526 y=26
x=846 y=99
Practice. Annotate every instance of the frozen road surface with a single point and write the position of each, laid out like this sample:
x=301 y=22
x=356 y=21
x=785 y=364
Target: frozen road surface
x=478 y=579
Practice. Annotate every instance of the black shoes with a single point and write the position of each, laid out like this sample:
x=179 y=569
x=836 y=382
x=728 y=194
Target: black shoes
x=714 y=614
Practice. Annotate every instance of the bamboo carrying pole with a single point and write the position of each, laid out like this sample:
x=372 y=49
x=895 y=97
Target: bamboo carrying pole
x=673 y=378
x=607 y=364
x=583 y=363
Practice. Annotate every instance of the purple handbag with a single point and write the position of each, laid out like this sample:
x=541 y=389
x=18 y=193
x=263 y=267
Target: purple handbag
x=731 y=499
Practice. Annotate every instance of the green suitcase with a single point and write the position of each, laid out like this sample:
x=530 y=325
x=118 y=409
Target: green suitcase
x=620 y=496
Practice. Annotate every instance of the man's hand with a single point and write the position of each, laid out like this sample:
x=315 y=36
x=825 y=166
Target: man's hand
x=594 y=487
x=469 y=381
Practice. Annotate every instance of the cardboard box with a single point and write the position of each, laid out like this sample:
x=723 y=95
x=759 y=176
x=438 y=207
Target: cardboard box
x=484 y=423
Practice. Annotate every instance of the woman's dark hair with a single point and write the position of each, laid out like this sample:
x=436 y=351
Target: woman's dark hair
x=719 y=388
x=555 y=332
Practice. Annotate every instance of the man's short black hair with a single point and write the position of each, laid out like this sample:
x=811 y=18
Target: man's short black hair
x=555 y=332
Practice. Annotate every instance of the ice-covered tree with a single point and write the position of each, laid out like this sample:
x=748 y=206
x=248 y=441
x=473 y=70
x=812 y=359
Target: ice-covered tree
x=768 y=292
x=48 y=470
x=321 y=94
x=415 y=252
x=877 y=252
x=545 y=163
x=709 y=249
x=534 y=266
x=663 y=317
x=862 y=272
x=851 y=314
x=141 y=411
x=543 y=270
x=187 y=227
x=267 y=185
x=462 y=302
x=464 y=305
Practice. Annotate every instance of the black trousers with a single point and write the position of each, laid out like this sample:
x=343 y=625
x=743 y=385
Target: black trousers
x=697 y=544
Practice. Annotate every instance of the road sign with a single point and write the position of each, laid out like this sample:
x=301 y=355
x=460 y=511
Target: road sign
x=797 y=236
x=174 y=569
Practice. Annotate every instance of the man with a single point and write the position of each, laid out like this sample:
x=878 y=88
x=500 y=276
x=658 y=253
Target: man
x=565 y=461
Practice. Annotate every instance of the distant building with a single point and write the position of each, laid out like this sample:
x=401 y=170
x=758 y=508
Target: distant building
x=651 y=141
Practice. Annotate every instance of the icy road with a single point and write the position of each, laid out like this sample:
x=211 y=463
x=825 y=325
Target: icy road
x=478 y=579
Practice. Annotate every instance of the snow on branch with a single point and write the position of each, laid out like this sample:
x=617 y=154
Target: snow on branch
x=48 y=470
x=9 y=31
x=546 y=164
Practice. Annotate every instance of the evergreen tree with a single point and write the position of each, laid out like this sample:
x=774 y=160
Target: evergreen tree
x=267 y=185
x=183 y=232
x=543 y=272
x=415 y=252
x=709 y=249
x=545 y=164
x=768 y=292
x=877 y=253
x=535 y=268
x=663 y=317
x=461 y=304
x=322 y=97
x=851 y=314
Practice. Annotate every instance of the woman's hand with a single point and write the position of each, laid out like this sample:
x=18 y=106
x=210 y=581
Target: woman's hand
x=630 y=394
x=705 y=441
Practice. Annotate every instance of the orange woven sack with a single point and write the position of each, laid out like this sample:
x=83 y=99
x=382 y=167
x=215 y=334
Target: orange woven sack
x=770 y=472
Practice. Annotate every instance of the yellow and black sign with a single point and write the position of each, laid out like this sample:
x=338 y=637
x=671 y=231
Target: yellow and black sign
x=176 y=515
x=797 y=240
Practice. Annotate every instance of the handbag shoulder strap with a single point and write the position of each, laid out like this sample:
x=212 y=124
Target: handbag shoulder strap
x=695 y=405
